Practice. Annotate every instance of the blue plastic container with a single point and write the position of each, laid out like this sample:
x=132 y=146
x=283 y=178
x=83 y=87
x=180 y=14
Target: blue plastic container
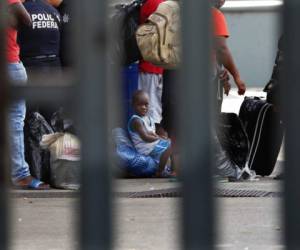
x=130 y=85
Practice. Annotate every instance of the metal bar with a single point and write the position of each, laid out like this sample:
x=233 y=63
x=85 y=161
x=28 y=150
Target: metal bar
x=196 y=114
x=291 y=90
x=43 y=94
x=90 y=22
x=3 y=133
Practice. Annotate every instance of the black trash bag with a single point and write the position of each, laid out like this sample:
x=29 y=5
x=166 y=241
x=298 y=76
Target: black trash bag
x=38 y=159
x=60 y=122
x=224 y=166
x=124 y=23
x=233 y=138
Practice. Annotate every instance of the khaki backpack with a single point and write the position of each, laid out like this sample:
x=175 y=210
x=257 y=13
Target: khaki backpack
x=159 y=38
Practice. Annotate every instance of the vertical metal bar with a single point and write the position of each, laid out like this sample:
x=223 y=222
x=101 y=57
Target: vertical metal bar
x=291 y=90
x=196 y=128
x=3 y=131
x=95 y=193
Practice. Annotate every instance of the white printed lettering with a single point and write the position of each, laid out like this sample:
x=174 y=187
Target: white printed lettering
x=33 y=17
x=44 y=25
x=34 y=25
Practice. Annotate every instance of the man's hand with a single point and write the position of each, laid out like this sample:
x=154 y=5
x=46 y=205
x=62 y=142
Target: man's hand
x=227 y=87
x=224 y=78
x=241 y=86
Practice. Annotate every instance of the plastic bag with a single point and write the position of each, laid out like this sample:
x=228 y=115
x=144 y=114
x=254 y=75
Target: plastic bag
x=64 y=159
x=60 y=122
x=224 y=166
x=38 y=159
x=129 y=159
x=233 y=138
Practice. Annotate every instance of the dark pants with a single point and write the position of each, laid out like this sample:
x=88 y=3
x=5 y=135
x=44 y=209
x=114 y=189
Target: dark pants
x=169 y=101
x=42 y=66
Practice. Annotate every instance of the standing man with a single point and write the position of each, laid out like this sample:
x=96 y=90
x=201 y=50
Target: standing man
x=150 y=76
x=223 y=55
x=20 y=174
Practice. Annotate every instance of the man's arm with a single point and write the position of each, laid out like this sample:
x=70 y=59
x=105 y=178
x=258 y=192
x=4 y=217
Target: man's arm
x=224 y=56
x=19 y=14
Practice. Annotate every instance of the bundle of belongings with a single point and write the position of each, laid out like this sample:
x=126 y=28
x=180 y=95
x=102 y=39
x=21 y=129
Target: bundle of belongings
x=64 y=159
x=52 y=151
x=232 y=148
x=130 y=161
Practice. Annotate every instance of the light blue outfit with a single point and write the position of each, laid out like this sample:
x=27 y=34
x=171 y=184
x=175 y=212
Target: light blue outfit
x=16 y=116
x=154 y=149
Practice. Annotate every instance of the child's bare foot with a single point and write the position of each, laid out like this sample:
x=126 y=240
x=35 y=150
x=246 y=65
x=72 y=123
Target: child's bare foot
x=31 y=183
x=173 y=174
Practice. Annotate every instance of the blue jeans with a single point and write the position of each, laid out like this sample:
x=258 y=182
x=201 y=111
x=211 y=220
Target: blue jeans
x=16 y=116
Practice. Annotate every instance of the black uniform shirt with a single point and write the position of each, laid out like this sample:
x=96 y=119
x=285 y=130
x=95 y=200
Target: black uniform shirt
x=43 y=37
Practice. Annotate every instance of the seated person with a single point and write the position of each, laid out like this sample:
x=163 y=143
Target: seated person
x=142 y=132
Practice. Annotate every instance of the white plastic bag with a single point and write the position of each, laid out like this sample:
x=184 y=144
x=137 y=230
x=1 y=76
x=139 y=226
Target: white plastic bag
x=64 y=159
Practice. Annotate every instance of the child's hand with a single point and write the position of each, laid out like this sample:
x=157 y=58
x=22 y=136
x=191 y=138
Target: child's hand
x=153 y=134
x=164 y=137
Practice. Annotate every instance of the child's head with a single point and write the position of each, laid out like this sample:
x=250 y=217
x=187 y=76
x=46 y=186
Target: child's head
x=140 y=102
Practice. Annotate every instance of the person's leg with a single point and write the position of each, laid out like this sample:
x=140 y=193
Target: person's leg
x=16 y=116
x=19 y=167
x=164 y=159
x=152 y=84
x=169 y=102
x=20 y=173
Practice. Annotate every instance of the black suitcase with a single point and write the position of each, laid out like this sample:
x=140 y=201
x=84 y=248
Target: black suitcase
x=265 y=133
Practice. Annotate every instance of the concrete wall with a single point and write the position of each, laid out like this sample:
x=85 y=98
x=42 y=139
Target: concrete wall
x=253 y=42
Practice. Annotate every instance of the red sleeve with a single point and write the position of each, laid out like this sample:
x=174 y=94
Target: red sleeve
x=13 y=1
x=219 y=23
x=148 y=8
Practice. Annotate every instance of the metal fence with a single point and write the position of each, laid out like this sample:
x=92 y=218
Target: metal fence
x=89 y=94
x=290 y=91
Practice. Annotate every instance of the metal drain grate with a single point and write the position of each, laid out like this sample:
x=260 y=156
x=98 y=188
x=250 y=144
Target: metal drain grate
x=176 y=192
x=160 y=193
x=244 y=193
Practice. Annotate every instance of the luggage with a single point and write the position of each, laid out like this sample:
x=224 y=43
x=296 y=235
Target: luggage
x=265 y=132
x=159 y=38
x=124 y=24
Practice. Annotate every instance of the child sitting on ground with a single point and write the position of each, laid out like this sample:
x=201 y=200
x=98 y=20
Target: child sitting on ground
x=142 y=132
